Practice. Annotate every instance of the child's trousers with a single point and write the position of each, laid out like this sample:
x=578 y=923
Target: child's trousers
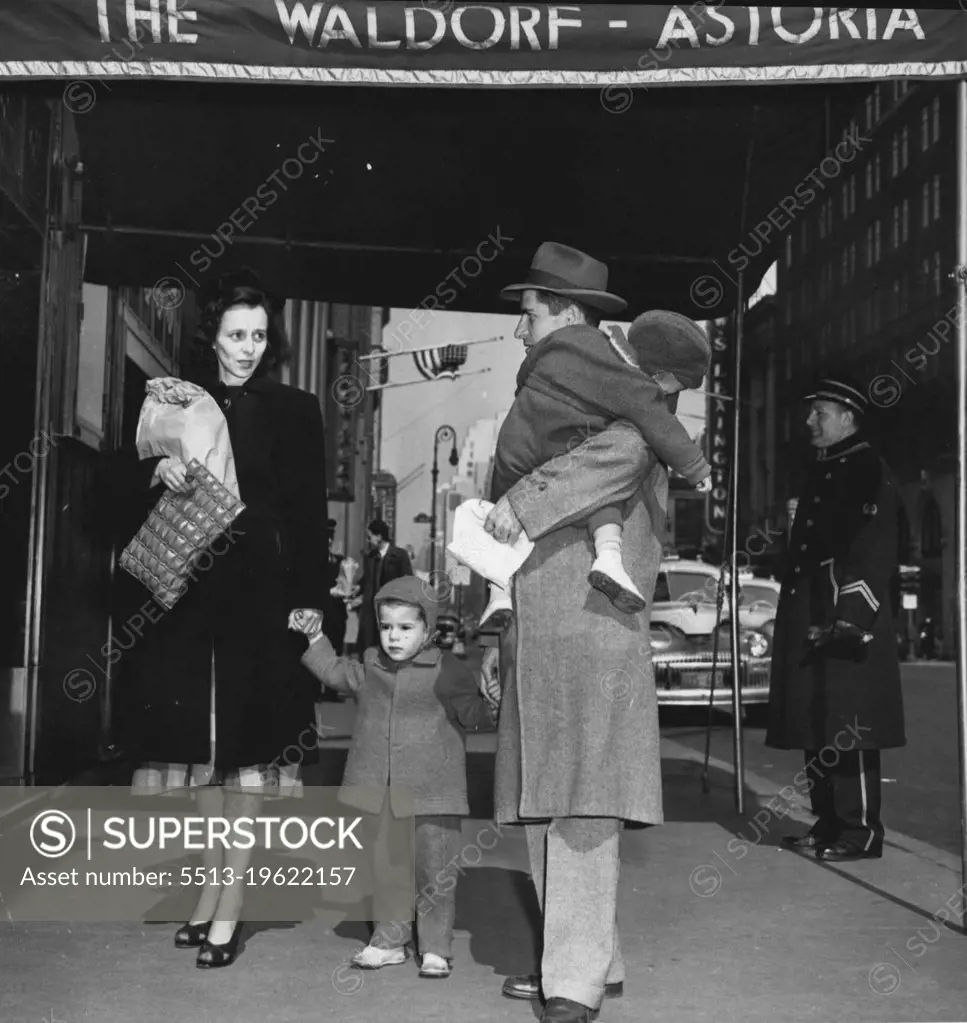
x=437 y=844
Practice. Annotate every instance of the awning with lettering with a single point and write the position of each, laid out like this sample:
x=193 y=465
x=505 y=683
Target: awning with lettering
x=434 y=43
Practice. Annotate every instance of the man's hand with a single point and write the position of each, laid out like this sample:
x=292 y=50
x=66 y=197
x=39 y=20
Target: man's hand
x=489 y=682
x=502 y=522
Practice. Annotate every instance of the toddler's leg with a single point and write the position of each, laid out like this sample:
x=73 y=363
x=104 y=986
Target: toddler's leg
x=608 y=572
x=437 y=845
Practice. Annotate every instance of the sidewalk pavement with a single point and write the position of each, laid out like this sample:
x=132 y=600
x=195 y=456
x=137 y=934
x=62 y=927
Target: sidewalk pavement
x=717 y=923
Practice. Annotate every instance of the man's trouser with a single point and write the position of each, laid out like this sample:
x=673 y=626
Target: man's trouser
x=574 y=862
x=846 y=796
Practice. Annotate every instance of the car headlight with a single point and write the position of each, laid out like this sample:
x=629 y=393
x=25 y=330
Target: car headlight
x=758 y=644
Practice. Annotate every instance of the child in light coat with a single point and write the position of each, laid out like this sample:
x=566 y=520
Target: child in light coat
x=414 y=703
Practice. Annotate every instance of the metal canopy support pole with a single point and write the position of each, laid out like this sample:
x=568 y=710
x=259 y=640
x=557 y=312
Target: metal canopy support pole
x=961 y=522
x=738 y=671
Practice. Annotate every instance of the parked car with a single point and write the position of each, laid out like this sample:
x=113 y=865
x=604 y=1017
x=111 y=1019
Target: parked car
x=683 y=627
x=686 y=594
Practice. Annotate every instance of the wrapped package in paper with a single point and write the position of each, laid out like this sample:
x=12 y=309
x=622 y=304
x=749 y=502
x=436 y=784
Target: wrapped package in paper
x=183 y=420
x=346 y=580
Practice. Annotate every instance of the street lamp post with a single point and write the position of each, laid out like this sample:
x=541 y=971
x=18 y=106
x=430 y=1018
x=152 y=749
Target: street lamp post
x=444 y=434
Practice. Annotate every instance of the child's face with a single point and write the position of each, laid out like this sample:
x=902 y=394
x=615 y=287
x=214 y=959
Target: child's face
x=402 y=631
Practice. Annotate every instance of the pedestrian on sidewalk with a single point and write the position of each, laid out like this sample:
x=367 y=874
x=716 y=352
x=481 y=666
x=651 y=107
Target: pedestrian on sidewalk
x=835 y=690
x=217 y=694
x=415 y=702
x=578 y=742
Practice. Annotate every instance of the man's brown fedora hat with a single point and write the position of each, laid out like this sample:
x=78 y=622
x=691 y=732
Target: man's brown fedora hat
x=569 y=272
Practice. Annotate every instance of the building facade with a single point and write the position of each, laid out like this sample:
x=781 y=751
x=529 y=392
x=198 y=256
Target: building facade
x=863 y=286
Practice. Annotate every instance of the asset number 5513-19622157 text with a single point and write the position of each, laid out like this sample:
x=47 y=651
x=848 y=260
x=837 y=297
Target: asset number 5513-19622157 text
x=267 y=876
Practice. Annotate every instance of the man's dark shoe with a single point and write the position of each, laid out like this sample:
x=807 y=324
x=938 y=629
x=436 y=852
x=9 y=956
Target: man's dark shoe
x=844 y=852
x=528 y=986
x=563 y=1010
x=803 y=843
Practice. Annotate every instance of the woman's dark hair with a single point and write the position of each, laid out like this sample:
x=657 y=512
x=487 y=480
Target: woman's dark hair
x=240 y=287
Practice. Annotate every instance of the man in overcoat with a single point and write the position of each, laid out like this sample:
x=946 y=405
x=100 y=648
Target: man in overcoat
x=835 y=689
x=578 y=743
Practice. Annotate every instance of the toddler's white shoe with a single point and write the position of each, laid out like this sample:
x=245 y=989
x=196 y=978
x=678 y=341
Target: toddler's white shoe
x=500 y=608
x=434 y=967
x=373 y=958
x=609 y=576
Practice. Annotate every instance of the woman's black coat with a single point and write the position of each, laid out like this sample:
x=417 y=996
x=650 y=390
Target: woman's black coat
x=238 y=608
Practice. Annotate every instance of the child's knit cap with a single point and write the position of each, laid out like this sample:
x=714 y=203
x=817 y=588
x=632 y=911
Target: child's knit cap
x=669 y=342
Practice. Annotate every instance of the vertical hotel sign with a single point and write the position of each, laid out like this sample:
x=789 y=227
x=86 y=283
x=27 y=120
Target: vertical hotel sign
x=344 y=399
x=718 y=430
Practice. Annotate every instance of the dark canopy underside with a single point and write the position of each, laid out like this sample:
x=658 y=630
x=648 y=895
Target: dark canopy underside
x=656 y=191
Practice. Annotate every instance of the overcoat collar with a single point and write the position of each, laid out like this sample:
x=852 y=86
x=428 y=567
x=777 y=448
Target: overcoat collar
x=577 y=332
x=849 y=446
x=428 y=657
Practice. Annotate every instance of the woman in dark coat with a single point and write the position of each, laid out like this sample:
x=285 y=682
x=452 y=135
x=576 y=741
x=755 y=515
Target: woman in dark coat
x=218 y=698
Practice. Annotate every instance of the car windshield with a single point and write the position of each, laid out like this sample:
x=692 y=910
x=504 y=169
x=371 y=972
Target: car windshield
x=691 y=586
x=752 y=594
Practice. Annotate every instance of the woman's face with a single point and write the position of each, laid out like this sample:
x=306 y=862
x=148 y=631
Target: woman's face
x=241 y=343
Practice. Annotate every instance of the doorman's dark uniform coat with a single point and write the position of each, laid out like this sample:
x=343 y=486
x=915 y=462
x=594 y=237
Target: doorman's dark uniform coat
x=240 y=606
x=843 y=553
x=377 y=572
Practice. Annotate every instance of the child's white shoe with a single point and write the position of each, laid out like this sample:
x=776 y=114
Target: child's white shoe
x=374 y=958
x=500 y=608
x=434 y=967
x=609 y=576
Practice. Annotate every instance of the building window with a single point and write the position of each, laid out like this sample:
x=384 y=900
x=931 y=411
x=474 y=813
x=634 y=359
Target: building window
x=829 y=216
x=924 y=276
x=935 y=111
x=869 y=181
x=876 y=103
x=936 y=273
x=905 y=149
x=852 y=326
x=869 y=112
x=804 y=238
x=845 y=195
x=925 y=204
x=852 y=260
x=895 y=155
x=924 y=129
x=869 y=246
x=936 y=197
x=789 y=249
x=877 y=242
x=844 y=265
x=905 y=221
x=896 y=227
x=852 y=193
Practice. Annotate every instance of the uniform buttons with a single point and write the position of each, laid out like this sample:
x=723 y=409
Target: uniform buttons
x=792 y=592
x=798 y=570
x=809 y=522
x=842 y=461
x=829 y=475
x=804 y=547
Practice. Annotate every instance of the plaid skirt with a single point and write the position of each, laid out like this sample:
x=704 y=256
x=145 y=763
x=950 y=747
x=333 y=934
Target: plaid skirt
x=273 y=781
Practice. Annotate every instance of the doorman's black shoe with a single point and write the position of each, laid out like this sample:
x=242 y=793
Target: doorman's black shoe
x=192 y=935
x=805 y=843
x=844 y=852
x=528 y=986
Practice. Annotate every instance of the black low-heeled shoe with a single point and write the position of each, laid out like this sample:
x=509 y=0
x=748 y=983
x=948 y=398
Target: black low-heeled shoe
x=212 y=957
x=192 y=935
